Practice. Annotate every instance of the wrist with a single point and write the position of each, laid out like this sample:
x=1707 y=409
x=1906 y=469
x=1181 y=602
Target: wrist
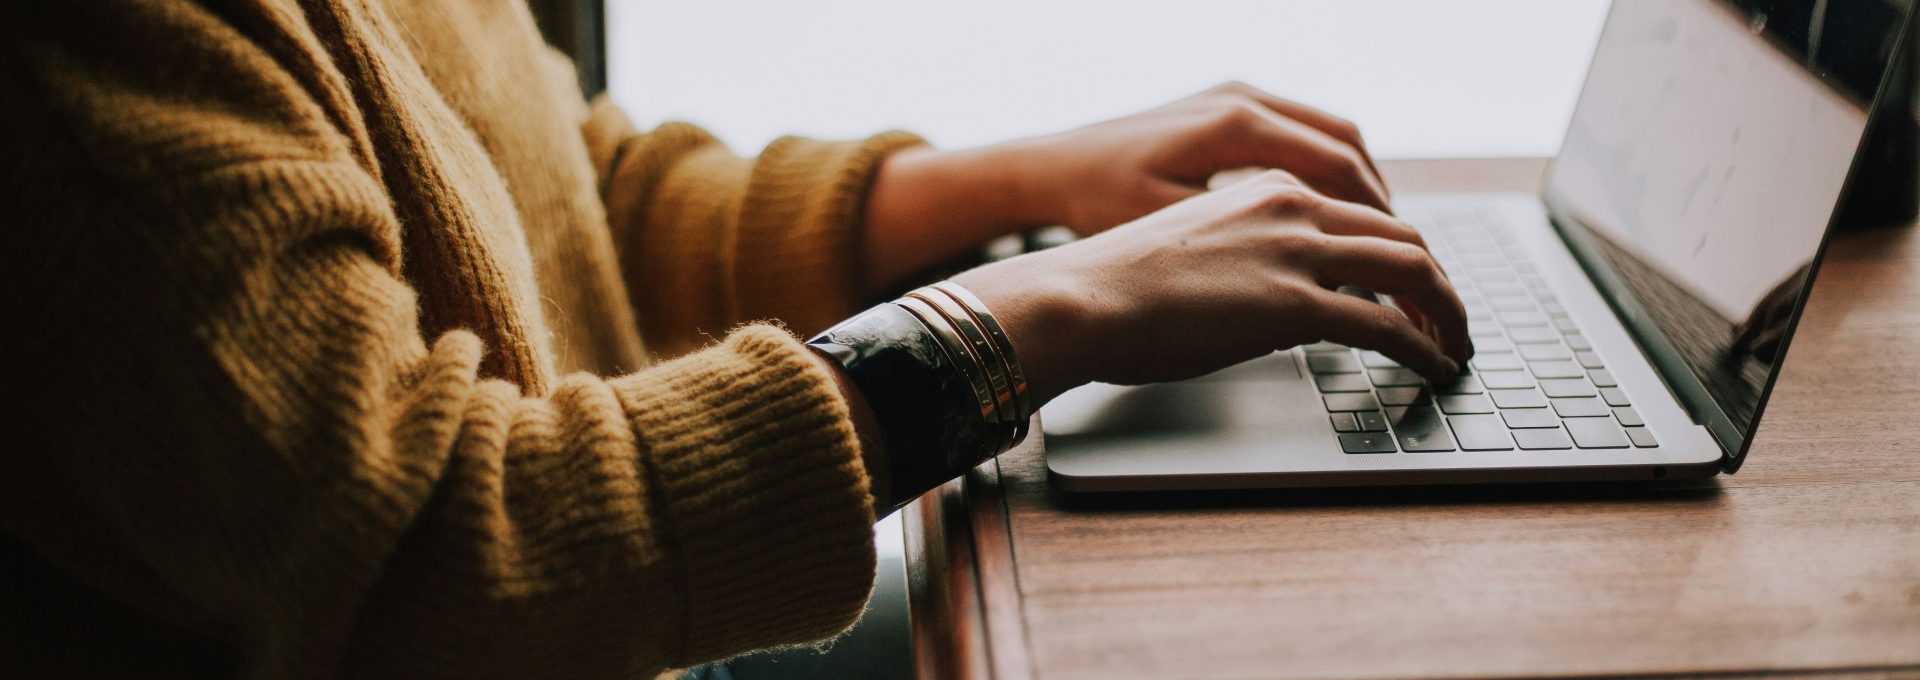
x=928 y=419
x=929 y=207
x=1021 y=174
x=995 y=190
x=1044 y=317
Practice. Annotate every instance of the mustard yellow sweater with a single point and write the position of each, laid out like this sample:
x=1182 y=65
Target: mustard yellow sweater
x=323 y=355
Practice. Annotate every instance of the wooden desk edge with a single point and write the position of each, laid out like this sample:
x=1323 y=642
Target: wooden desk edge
x=962 y=590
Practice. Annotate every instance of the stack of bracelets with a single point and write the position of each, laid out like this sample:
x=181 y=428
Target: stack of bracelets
x=942 y=379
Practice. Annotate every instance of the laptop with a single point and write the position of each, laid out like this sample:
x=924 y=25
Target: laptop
x=1629 y=320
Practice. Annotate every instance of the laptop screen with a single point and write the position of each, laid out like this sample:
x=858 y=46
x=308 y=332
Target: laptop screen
x=1704 y=162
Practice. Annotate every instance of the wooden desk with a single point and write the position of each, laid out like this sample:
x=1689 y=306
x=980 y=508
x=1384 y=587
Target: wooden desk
x=1808 y=561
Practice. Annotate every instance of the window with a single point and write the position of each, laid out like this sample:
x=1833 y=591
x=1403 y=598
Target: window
x=1461 y=78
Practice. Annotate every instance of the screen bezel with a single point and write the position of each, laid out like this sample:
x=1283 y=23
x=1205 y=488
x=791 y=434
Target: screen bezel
x=1734 y=441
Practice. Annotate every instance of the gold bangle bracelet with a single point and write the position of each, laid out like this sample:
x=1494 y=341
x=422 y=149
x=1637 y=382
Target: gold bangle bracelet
x=962 y=360
x=980 y=344
x=983 y=352
x=1016 y=375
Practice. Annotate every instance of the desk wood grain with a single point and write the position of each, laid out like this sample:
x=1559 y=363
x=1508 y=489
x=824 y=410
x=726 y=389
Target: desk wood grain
x=1807 y=562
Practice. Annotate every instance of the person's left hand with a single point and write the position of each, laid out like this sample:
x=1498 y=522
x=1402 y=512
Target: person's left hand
x=1105 y=174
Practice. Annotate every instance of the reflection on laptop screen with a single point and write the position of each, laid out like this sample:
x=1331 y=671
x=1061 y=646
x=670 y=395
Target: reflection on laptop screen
x=1705 y=159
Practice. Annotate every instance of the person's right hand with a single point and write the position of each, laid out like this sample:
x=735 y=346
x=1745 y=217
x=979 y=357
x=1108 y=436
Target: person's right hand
x=1221 y=278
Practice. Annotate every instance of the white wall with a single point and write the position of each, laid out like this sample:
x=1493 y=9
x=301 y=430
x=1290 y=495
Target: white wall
x=1423 y=78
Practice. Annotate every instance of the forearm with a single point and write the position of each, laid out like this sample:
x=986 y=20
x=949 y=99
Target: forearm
x=929 y=207
x=708 y=239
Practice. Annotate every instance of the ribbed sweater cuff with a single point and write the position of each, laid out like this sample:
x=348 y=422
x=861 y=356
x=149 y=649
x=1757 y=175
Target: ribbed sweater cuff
x=799 y=236
x=754 y=464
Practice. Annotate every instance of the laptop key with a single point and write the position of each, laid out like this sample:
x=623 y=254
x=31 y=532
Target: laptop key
x=1579 y=407
x=1344 y=422
x=1394 y=377
x=1530 y=418
x=1597 y=433
x=1602 y=377
x=1457 y=404
x=1514 y=305
x=1350 y=401
x=1333 y=363
x=1465 y=384
x=1519 y=399
x=1404 y=396
x=1371 y=421
x=1497 y=361
x=1480 y=433
x=1536 y=440
x=1614 y=396
x=1520 y=319
x=1506 y=380
x=1544 y=352
x=1342 y=382
x=1642 y=437
x=1566 y=325
x=1589 y=359
x=1494 y=344
x=1477 y=244
x=1578 y=342
x=1567 y=387
x=1324 y=348
x=1526 y=336
x=1420 y=429
x=1627 y=416
x=1372 y=359
x=1503 y=289
x=1492 y=260
x=1556 y=369
x=1367 y=442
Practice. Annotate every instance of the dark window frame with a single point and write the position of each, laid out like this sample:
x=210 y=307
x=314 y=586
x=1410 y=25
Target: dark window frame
x=577 y=28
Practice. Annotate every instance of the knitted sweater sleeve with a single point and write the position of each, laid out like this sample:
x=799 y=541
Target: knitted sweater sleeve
x=223 y=411
x=708 y=239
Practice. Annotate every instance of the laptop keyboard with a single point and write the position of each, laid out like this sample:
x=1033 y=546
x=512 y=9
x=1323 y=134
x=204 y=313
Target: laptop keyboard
x=1534 y=384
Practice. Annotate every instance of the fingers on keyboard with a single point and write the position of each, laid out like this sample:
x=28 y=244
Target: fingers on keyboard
x=1536 y=383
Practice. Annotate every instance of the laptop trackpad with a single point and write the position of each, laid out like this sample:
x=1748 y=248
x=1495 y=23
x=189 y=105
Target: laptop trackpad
x=1242 y=398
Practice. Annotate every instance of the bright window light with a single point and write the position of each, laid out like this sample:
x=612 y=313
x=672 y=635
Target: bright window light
x=1423 y=78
